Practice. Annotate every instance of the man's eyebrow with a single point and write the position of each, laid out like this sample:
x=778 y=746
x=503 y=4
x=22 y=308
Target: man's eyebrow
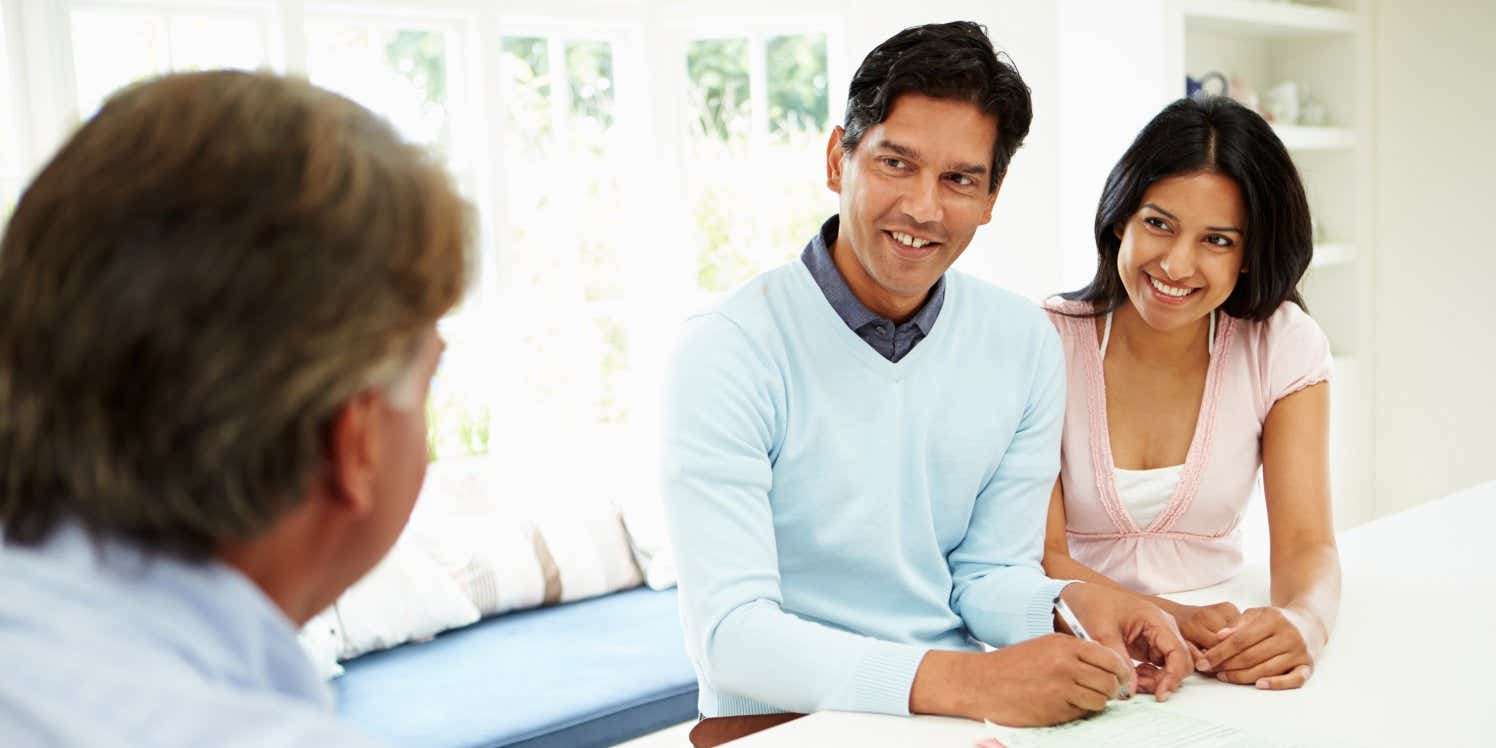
x=902 y=150
x=913 y=155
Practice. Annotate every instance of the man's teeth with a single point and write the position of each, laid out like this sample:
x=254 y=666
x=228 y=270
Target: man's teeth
x=908 y=240
x=1170 y=290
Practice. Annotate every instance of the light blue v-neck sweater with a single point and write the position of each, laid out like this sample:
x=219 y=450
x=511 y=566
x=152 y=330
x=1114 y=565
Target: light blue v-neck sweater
x=835 y=515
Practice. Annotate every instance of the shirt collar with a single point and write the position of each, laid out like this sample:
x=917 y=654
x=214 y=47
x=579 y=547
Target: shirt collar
x=817 y=259
x=206 y=615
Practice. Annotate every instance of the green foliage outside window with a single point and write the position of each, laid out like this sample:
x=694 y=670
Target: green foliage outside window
x=718 y=72
x=589 y=69
x=796 y=67
x=421 y=57
x=755 y=207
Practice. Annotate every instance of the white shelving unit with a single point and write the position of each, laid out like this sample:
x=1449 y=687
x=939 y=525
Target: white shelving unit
x=1126 y=60
x=1268 y=19
x=1299 y=138
x=1325 y=49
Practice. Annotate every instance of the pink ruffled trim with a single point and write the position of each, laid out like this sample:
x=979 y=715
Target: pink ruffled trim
x=1195 y=460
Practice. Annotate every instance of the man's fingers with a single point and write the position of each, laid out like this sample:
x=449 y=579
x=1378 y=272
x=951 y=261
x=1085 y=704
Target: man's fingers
x=1086 y=700
x=1293 y=679
x=1111 y=657
x=1101 y=681
x=1278 y=664
x=1147 y=677
x=1177 y=662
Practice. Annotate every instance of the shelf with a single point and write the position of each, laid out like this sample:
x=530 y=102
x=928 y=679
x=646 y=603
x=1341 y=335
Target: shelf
x=1333 y=254
x=1297 y=138
x=1262 y=19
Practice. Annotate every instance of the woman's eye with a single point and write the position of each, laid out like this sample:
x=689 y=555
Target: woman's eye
x=1156 y=223
x=1217 y=240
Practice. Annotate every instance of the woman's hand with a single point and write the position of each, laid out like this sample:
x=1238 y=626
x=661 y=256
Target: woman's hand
x=1201 y=624
x=1273 y=648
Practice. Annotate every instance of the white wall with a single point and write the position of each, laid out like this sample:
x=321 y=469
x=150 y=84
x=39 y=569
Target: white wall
x=1435 y=268
x=1018 y=249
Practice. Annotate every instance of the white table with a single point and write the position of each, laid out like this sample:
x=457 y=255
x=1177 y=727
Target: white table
x=1412 y=661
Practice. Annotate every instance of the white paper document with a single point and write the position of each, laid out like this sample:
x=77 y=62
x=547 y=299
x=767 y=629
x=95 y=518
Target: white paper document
x=1132 y=723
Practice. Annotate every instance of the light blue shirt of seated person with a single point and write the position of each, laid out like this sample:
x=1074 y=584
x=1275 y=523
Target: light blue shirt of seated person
x=101 y=646
x=836 y=515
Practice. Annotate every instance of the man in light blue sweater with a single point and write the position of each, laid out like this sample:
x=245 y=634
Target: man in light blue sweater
x=860 y=445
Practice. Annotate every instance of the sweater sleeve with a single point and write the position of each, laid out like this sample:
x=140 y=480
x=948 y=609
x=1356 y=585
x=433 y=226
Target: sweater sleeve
x=723 y=412
x=1000 y=589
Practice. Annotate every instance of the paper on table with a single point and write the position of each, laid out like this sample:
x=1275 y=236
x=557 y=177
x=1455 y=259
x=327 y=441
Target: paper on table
x=1131 y=723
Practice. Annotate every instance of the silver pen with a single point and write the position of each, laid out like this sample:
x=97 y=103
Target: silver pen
x=1068 y=616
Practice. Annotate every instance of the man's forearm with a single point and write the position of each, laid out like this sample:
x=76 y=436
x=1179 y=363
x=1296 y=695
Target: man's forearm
x=939 y=687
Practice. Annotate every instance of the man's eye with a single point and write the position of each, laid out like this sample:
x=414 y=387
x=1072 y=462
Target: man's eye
x=894 y=163
x=963 y=180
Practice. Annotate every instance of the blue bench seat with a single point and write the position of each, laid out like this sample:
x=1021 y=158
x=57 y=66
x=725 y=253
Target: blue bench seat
x=590 y=673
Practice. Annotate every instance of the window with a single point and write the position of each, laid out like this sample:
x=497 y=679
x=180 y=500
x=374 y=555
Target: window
x=414 y=71
x=10 y=148
x=566 y=308
x=398 y=68
x=758 y=119
x=563 y=140
x=117 y=43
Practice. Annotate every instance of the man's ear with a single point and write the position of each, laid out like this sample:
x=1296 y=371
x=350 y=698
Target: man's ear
x=353 y=451
x=835 y=159
x=992 y=199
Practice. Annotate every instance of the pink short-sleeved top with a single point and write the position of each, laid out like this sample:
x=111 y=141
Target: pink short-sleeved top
x=1195 y=541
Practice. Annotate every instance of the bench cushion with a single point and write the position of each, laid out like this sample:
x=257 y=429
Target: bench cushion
x=589 y=673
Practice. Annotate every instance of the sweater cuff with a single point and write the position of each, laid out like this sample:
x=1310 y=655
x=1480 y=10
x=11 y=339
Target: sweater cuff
x=883 y=679
x=1039 y=620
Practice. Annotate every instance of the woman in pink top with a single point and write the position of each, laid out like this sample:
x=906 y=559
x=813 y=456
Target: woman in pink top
x=1192 y=364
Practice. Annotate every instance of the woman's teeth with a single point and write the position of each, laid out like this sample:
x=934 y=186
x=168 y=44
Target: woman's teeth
x=1169 y=290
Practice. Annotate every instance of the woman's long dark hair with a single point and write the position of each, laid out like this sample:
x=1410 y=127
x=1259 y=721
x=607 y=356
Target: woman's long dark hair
x=1218 y=135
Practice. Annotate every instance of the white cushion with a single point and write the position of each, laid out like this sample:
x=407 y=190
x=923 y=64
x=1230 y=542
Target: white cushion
x=479 y=544
x=322 y=639
x=407 y=597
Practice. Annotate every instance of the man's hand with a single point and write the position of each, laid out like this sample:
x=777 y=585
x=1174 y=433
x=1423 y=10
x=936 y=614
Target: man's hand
x=1273 y=648
x=1135 y=629
x=1042 y=681
x=1201 y=624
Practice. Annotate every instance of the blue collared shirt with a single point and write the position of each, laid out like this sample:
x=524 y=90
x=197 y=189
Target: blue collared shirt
x=892 y=341
x=100 y=645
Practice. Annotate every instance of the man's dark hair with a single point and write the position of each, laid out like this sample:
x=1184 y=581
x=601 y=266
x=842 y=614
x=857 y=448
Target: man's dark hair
x=943 y=61
x=1218 y=135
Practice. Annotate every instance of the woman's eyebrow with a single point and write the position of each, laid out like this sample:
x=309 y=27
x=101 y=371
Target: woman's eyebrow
x=1173 y=217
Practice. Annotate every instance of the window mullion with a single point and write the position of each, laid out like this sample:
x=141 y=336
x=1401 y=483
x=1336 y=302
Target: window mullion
x=758 y=90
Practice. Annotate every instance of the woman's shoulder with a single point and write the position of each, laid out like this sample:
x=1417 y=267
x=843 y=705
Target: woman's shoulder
x=1059 y=306
x=1288 y=327
x=1290 y=351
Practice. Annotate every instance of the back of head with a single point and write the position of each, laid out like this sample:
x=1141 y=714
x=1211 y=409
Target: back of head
x=192 y=287
x=1214 y=134
x=952 y=60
